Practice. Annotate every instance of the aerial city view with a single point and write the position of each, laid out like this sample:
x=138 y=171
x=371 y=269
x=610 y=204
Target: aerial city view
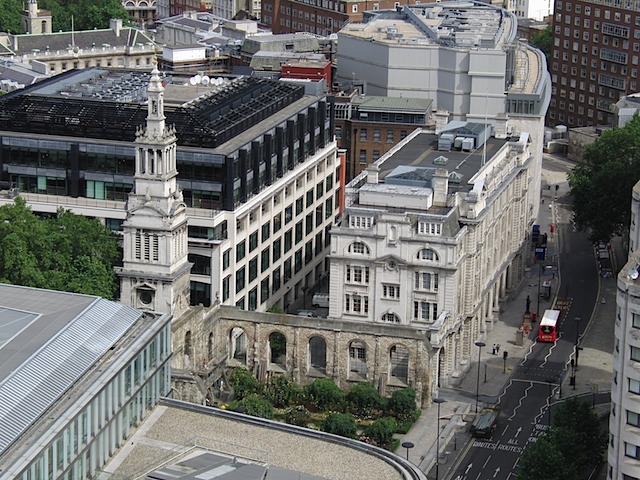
x=319 y=240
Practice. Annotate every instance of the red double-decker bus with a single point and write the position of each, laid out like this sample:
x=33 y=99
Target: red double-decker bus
x=548 y=328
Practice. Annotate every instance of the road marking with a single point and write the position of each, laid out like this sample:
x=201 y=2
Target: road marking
x=468 y=468
x=518 y=431
x=497 y=472
x=520 y=401
x=485 y=463
x=505 y=429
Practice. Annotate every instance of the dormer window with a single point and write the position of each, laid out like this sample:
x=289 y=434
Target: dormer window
x=360 y=221
x=429 y=228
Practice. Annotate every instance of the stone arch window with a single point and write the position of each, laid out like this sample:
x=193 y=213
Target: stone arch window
x=359 y=248
x=357 y=360
x=238 y=345
x=278 y=349
x=187 y=353
x=399 y=364
x=318 y=355
x=210 y=346
x=390 y=317
x=427 y=254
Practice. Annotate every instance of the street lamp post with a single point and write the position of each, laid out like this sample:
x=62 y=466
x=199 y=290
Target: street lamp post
x=577 y=320
x=479 y=345
x=438 y=401
x=408 y=445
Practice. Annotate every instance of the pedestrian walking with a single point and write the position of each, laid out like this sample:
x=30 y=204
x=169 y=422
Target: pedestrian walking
x=497 y=348
x=494 y=349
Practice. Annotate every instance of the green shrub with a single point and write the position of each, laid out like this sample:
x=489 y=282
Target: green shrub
x=244 y=383
x=363 y=398
x=282 y=392
x=325 y=394
x=256 y=406
x=402 y=404
x=342 y=424
x=381 y=431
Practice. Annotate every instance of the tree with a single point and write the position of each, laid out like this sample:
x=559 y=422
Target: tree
x=85 y=15
x=577 y=434
x=601 y=187
x=544 y=41
x=244 y=383
x=381 y=431
x=342 y=424
x=402 y=404
x=324 y=393
x=256 y=406
x=364 y=398
x=67 y=252
x=542 y=460
x=10 y=21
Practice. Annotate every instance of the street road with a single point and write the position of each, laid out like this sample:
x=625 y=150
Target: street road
x=535 y=383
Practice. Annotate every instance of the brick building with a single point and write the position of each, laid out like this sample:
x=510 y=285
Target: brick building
x=323 y=17
x=594 y=60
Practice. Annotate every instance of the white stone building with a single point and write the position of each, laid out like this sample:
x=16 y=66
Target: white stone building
x=536 y=9
x=624 y=421
x=435 y=237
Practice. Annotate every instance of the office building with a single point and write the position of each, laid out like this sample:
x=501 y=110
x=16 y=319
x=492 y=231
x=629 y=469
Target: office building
x=594 y=60
x=256 y=161
x=367 y=127
x=434 y=236
x=77 y=376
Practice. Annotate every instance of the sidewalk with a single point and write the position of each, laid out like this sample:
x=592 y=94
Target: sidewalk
x=594 y=371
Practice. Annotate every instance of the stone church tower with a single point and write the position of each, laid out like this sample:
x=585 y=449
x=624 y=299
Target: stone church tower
x=155 y=272
x=34 y=20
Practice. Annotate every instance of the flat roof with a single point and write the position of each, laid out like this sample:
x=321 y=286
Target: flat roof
x=421 y=150
x=393 y=104
x=103 y=104
x=455 y=24
x=48 y=341
x=175 y=431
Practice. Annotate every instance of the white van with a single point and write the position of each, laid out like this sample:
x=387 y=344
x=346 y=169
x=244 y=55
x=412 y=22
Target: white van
x=321 y=300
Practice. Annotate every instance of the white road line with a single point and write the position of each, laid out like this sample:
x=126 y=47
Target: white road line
x=520 y=401
x=485 y=463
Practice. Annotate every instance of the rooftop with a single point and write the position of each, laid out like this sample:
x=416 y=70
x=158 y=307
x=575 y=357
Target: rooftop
x=110 y=105
x=372 y=103
x=48 y=341
x=421 y=150
x=235 y=446
x=455 y=24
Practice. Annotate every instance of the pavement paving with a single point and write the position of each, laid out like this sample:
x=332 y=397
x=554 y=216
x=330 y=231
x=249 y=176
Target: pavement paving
x=483 y=386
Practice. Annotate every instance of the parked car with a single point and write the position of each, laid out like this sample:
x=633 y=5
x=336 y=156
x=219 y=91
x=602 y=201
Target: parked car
x=321 y=300
x=306 y=313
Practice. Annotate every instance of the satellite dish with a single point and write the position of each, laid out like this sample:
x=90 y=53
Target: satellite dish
x=206 y=80
x=193 y=81
x=632 y=273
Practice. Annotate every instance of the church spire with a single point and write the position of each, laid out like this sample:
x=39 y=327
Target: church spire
x=155 y=272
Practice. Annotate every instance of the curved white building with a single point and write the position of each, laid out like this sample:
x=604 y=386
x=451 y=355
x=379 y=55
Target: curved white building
x=624 y=421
